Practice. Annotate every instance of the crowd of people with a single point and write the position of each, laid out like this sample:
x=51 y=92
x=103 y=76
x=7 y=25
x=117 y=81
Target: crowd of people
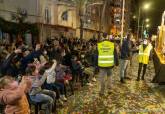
x=45 y=72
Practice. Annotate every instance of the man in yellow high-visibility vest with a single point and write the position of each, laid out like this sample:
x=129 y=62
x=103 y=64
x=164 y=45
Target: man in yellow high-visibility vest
x=107 y=58
x=143 y=57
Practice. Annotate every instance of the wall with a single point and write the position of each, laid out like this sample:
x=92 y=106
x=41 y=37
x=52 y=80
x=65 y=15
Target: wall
x=7 y=7
x=59 y=9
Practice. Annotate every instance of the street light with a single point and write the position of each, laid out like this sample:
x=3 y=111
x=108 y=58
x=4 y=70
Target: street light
x=147 y=20
x=147 y=26
x=144 y=26
x=89 y=21
x=134 y=17
x=146 y=6
x=95 y=4
x=83 y=15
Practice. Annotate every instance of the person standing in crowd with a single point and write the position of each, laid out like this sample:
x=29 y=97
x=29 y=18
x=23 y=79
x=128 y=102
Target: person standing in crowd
x=95 y=61
x=125 y=58
x=144 y=54
x=134 y=49
x=107 y=58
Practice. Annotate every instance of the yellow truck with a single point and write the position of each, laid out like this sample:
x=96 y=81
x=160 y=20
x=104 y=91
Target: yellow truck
x=159 y=54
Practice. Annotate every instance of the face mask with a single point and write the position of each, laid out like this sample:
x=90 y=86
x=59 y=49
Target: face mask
x=45 y=52
x=63 y=54
x=82 y=56
x=145 y=42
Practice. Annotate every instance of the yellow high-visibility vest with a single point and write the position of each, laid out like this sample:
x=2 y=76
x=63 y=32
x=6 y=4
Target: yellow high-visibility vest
x=105 y=54
x=144 y=54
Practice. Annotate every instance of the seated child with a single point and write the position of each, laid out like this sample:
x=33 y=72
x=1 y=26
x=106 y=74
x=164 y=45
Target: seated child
x=37 y=94
x=13 y=95
x=51 y=83
x=77 y=70
x=63 y=76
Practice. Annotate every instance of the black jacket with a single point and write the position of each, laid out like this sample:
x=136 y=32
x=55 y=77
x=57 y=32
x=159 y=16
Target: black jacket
x=126 y=49
x=8 y=68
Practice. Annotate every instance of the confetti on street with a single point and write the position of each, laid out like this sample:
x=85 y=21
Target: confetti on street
x=134 y=97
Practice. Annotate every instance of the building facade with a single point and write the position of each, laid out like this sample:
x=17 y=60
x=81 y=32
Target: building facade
x=59 y=19
x=10 y=9
x=117 y=16
x=54 y=17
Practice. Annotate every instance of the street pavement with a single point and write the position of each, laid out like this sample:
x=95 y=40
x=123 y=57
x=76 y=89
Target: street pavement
x=134 y=97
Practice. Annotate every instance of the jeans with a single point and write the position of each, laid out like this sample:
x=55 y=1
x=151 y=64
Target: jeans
x=105 y=72
x=144 y=70
x=60 y=87
x=55 y=87
x=47 y=98
x=52 y=94
x=123 y=68
x=77 y=75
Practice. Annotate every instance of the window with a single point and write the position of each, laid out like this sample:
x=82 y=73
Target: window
x=47 y=15
x=64 y=16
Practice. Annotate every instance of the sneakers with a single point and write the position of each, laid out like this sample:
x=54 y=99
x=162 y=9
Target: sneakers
x=63 y=98
x=60 y=102
x=138 y=79
x=94 y=79
x=127 y=78
x=143 y=78
x=110 y=92
x=101 y=94
x=89 y=84
x=122 y=80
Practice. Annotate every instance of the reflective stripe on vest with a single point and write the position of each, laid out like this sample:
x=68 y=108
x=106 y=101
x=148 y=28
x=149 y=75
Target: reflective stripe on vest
x=105 y=61
x=106 y=54
x=144 y=54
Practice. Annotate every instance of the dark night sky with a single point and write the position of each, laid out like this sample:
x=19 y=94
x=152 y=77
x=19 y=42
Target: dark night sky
x=155 y=12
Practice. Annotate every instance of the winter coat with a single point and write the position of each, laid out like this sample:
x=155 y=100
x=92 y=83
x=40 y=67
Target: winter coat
x=15 y=100
x=8 y=67
x=126 y=50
